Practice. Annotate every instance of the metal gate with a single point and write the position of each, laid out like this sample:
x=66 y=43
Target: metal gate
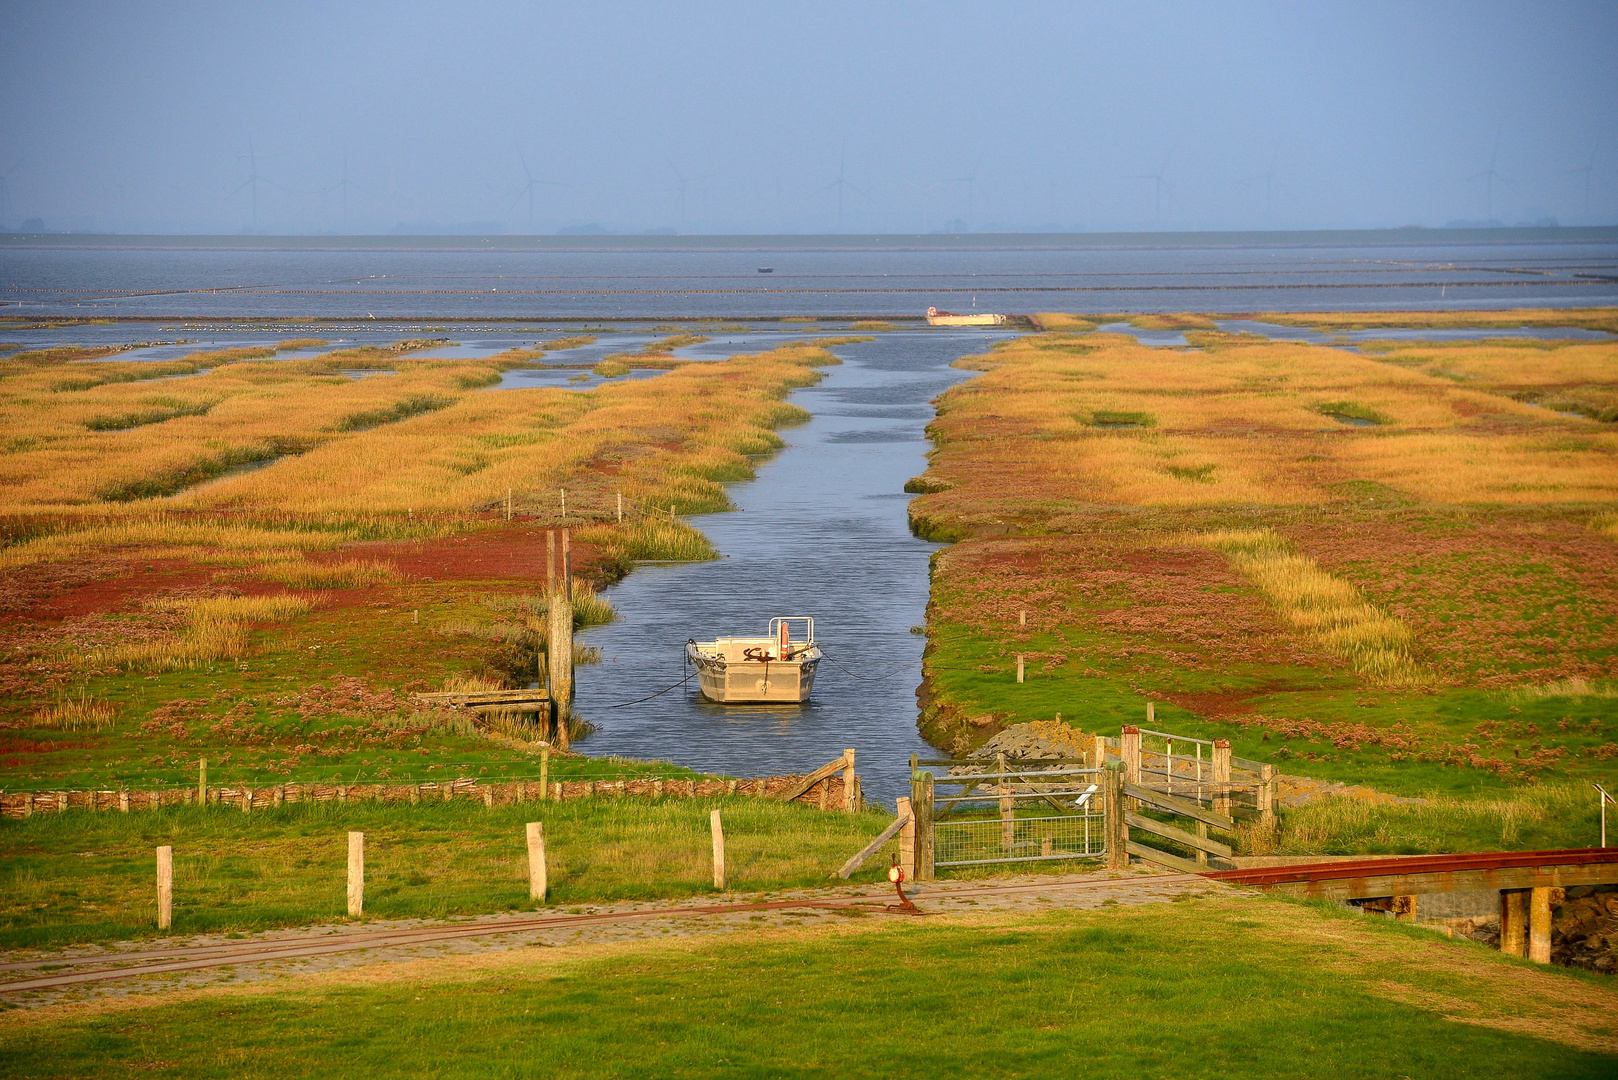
x=980 y=811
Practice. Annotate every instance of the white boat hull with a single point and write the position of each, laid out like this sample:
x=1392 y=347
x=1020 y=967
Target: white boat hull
x=726 y=676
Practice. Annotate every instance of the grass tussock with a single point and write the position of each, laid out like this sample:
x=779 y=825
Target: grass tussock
x=212 y=629
x=1379 y=647
x=346 y=574
x=82 y=713
x=652 y=540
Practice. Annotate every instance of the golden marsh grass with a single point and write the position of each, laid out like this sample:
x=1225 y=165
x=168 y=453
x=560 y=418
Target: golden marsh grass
x=215 y=628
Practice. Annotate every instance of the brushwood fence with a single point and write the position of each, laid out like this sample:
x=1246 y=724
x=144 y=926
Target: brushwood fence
x=826 y=793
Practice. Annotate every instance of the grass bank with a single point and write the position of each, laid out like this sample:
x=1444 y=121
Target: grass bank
x=1198 y=988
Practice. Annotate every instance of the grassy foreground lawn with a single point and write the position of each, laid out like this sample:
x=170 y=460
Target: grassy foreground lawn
x=79 y=877
x=1214 y=987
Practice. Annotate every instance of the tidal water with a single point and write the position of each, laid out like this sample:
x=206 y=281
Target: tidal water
x=606 y=285
x=822 y=532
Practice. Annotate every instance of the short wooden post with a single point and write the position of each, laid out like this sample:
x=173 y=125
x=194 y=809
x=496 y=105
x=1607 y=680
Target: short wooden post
x=123 y=801
x=1540 y=901
x=280 y=795
x=508 y=504
x=1022 y=618
x=1019 y=667
x=1514 y=921
x=564 y=503
x=1129 y=752
x=202 y=781
x=544 y=770
x=1151 y=714
x=1113 y=811
x=718 y=849
x=848 y=781
x=907 y=840
x=620 y=508
x=356 y=874
x=1008 y=814
x=537 y=883
x=165 y=887
x=1266 y=796
x=1221 y=776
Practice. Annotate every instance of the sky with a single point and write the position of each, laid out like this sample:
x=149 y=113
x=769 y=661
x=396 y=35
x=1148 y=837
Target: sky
x=727 y=117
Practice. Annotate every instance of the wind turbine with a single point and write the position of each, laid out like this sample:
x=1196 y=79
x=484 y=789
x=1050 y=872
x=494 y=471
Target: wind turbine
x=5 y=187
x=1159 y=185
x=839 y=185
x=1269 y=179
x=1489 y=176
x=253 y=180
x=528 y=189
x=1588 y=169
x=683 y=182
x=971 y=182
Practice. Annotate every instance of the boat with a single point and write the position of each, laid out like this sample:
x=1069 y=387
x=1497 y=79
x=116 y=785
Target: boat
x=778 y=667
x=766 y=269
x=949 y=318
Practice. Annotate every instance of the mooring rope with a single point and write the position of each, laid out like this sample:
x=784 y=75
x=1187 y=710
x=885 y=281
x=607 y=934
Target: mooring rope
x=649 y=697
x=868 y=678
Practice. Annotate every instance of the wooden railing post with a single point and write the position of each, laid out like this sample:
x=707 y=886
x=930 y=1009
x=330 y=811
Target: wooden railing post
x=538 y=882
x=1221 y=776
x=165 y=887
x=848 y=781
x=1266 y=796
x=921 y=807
x=356 y=874
x=1514 y=921
x=202 y=781
x=907 y=840
x=1129 y=753
x=1113 y=812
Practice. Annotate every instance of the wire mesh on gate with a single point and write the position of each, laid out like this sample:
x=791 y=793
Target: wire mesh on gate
x=1032 y=816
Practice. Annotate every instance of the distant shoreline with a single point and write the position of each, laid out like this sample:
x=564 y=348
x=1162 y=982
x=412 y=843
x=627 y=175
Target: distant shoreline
x=783 y=243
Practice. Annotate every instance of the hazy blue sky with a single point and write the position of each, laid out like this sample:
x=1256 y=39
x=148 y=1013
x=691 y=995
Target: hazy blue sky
x=157 y=117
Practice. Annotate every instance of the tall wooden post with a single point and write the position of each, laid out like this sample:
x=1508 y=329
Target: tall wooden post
x=907 y=840
x=921 y=805
x=559 y=635
x=356 y=874
x=848 y=781
x=1539 y=922
x=1129 y=752
x=1113 y=810
x=1221 y=776
x=718 y=849
x=538 y=884
x=165 y=887
x=1008 y=815
x=1514 y=921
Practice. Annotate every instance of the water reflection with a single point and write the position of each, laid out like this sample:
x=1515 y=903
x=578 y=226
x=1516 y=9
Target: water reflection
x=822 y=532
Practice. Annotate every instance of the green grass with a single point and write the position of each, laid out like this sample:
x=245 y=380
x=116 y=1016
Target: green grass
x=86 y=877
x=1196 y=989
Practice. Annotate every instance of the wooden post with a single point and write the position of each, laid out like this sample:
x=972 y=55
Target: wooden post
x=564 y=503
x=1019 y=667
x=848 y=781
x=1129 y=752
x=718 y=849
x=1514 y=921
x=1022 y=618
x=620 y=508
x=1539 y=922
x=921 y=805
x=559 y=609
x=123 y=801
x=537 y=883
x=356 y=874
x=544 y=770
x=907 y=840
x=1404 y=908
x=165 y=887
x=1008 y=815
x=508 y=504
x=202 y=781
x=1113 y=809
x=1151 y=714
x=550 y=563
x=1202 y=831
x=1266 y=796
